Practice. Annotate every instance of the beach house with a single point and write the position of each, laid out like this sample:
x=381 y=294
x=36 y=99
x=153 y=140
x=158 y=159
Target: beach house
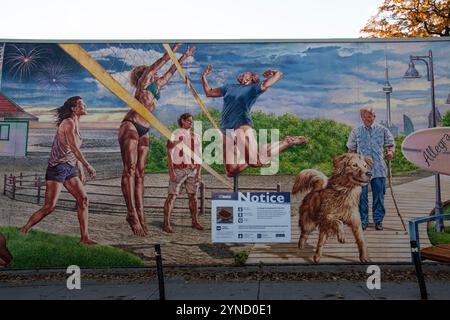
x=14 y=123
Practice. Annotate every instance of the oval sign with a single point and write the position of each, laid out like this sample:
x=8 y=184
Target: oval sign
x=429 y=149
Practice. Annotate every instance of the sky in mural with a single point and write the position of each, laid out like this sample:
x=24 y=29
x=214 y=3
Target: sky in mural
x=326 y=80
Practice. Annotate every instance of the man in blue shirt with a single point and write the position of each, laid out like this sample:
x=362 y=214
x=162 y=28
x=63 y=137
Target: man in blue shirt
x=370 y=139
x=236 y=123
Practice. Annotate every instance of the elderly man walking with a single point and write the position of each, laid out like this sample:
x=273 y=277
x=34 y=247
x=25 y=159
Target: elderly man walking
x=371 y=139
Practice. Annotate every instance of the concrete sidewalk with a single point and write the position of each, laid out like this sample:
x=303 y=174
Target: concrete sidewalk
x=179 y=289
x=277 y=282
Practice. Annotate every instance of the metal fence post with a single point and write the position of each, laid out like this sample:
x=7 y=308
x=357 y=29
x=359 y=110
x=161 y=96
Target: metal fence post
x=278 y=187
x=21 y=177
x=159 y=269
x=202 y=198
x=4 y=184
x=415 y=252
x=39 y=191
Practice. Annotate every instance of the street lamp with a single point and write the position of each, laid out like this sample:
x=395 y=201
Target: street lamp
x=412 y=73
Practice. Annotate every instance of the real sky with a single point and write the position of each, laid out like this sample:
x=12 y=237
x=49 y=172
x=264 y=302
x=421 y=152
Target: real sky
x=323 y=79
x=180 y=19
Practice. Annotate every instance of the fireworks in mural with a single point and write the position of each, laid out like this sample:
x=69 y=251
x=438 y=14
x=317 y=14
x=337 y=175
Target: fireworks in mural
x=23 y=62
x=53 y=76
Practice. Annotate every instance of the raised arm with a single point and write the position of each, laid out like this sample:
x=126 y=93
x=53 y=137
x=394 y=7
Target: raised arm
x=209 y=91
x=148 y=76
x=69 y=132
x=169 y=74
x=158 y=64
x=273 y=76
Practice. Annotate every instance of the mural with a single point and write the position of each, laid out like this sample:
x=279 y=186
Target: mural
x=100 y=155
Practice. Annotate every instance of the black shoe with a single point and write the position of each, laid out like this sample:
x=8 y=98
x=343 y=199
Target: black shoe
x=378 y=226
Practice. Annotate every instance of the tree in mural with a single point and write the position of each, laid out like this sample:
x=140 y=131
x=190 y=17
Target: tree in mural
x=410 y=18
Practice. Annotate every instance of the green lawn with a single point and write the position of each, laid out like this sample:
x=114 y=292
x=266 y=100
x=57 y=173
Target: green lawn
x=440 y=237
x=45 y=250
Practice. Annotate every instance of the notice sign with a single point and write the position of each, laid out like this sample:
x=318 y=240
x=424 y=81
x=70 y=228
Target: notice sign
x=251 y=217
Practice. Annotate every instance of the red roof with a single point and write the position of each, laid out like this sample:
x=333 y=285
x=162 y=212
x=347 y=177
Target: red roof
x=10 y=110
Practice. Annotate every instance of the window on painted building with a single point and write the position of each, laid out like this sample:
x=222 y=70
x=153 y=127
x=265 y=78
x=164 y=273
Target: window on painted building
x=4 y=132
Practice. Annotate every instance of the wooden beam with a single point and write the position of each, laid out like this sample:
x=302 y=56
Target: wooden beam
x=190 y=86
x=99 y=73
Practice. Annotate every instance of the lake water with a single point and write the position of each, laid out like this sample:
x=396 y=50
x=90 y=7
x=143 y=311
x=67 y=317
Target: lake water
x=94 y=140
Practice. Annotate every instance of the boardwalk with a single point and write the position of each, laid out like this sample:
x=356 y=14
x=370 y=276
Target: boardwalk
x=414 y=199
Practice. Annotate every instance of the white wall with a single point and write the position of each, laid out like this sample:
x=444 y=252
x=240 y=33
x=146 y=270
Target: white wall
x=16 y=146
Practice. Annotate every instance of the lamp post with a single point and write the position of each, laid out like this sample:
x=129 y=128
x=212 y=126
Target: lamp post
x=413 y=73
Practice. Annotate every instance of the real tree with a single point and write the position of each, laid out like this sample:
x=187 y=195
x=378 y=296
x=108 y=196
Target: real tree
x=410 y=18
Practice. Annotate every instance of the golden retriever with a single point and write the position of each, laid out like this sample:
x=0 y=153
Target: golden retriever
x=331 y=203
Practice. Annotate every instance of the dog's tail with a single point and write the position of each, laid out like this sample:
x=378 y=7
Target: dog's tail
x=309 y=180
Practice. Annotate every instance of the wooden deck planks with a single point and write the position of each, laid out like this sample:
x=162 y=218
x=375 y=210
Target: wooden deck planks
x=415 y=199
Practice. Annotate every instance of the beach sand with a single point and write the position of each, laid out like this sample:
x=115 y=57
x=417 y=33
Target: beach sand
x=187 y=246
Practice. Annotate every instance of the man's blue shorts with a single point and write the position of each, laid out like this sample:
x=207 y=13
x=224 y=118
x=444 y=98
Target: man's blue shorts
x=60 y=172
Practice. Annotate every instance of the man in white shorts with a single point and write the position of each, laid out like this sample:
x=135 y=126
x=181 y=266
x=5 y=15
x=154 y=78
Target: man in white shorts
x=183 y=171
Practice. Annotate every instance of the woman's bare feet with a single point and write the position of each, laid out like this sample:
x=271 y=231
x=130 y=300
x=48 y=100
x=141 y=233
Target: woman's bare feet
x=145 y=228
x=143 y=223
x=167 y=228
x=197 y=225
x=87 y=241
x=135 y=226
x=24 y=229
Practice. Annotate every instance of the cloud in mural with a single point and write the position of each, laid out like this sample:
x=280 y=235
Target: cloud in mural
x=320 y=79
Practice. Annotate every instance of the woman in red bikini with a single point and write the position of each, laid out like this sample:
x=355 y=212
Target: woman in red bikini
x=134 y=139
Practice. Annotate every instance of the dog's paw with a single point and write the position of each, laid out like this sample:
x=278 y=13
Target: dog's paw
x=301 y=244
x=341 y=239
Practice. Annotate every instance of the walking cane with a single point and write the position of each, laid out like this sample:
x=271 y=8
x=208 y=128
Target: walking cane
x=392 y=194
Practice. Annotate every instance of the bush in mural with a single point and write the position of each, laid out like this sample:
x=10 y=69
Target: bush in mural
x=328 y=138
x=446 y=119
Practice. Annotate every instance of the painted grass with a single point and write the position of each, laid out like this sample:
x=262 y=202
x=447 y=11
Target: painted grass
x=440 y=237
x=39 y=249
